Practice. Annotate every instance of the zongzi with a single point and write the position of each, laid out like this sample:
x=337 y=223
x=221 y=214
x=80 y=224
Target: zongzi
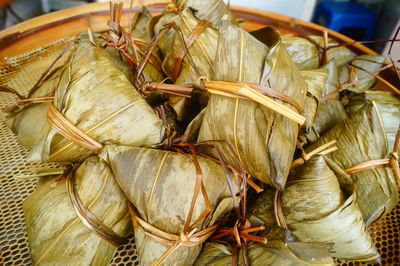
x=316 y=210
x=94 y=104
x=388 y=105
x=210 y=10
x=167 y=207
x=61 y=219
x=189 y=55
x=264 y=139
x=361 y=138
x=307 y=51
x=359 y=75
x=28 y=118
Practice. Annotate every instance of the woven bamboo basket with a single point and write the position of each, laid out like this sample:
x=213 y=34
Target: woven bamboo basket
x=27 y=49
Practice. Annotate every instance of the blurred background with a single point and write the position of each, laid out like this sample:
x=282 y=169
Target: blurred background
x=358 y=19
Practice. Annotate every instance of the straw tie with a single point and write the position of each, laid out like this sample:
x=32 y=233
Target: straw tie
x=322 y=150
x=174 y=89
x=89 y=219
x=69 y=131
x=256 y=93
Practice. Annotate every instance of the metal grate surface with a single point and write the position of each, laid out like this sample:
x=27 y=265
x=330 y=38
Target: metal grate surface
x=21 y=73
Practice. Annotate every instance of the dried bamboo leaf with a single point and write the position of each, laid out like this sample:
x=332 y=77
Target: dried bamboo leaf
x=306 y=53
x=316 y=80
x=312 y=192
x=98 y=99
x=159 y=23
x=202 y=51
x=330 y=110
x=140 y=24
x=28 y=124
x=343 y=232
x=181 y=69
x=210 y=10
x=361 y=138
x=193 y=129
x=163 y=199
x=100 y=40
x=363 y=79
x=316 y=210
x=278 y=251
x=264 y=140
x=57 y=235
x=388 y=105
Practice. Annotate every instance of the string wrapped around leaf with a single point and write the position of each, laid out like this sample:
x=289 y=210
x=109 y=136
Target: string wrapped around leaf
x=170 y=218
x=28 y=115
x=94 y=104
x=81 y=215
x=363 y=153
x=258 y=121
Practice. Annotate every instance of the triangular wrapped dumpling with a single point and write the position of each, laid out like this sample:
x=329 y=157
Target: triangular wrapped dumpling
x=312 y=192
x=162 y=197
x=140 y=25
x=99 y=101
x=264 y=139
x=356 y=78
x=361 y=138
x=28 y=121
x=57 y=235
x=307 y=51
x=388 y=105
x=316 y=210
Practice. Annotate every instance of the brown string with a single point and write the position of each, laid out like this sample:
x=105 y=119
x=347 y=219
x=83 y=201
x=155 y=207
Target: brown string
x=240 y=231
x=89 y=219
x=279 y=217
x=197 y=31
x=173 y=89
x=70 y=131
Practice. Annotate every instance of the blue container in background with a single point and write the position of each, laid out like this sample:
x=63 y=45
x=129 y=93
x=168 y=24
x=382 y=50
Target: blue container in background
x=350 y=18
